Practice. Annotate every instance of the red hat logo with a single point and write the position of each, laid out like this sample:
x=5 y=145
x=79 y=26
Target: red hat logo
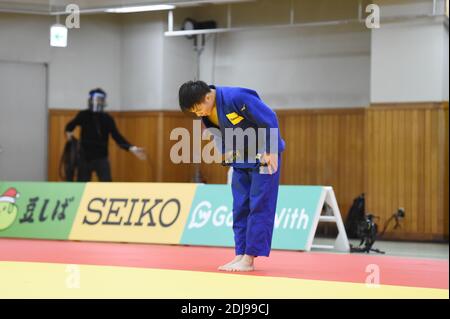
x=10 y=196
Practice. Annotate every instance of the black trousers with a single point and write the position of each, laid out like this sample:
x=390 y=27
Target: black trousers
x=100 y=166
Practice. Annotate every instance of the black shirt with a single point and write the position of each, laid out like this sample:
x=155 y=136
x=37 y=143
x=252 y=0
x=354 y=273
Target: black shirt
x=95 y=130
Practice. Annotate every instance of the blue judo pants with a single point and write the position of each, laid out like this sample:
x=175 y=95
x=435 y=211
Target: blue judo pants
x=254 y=205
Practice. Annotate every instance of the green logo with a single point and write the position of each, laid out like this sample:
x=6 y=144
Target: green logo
x=41 y=210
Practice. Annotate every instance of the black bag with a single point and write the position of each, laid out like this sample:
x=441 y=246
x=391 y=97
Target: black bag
x=69 y=160
x=355 y=216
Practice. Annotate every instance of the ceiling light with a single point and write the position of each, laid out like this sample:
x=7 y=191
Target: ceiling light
x=157 y=7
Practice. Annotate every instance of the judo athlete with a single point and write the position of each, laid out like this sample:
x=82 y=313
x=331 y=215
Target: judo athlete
x=255 y=178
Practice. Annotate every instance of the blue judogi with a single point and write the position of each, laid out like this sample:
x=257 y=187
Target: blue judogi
x=254 y=194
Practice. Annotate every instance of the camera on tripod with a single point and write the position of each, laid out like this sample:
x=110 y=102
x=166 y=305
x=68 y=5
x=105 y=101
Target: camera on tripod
x=362 y=226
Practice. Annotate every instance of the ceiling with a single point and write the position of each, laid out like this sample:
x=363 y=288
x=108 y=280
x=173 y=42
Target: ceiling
x=52 y=6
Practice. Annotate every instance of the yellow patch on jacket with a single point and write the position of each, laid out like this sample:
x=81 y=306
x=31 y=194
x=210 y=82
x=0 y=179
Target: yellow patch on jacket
x=234 y=118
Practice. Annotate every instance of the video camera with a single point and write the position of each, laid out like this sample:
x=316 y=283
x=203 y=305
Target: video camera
x=367 y=231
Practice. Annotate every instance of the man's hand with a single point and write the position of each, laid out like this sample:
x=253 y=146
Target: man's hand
x=232 y=157
x=69 y=135
x=272 y=163
x=138 y=152
x=228 y=157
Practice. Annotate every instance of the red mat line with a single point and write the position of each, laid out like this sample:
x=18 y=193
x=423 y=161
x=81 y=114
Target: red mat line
x=411 y=272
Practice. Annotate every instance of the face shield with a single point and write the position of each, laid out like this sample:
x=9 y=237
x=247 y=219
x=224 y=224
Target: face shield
x=97 y=102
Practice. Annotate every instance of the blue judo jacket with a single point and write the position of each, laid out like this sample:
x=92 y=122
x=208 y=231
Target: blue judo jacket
x=241 y=108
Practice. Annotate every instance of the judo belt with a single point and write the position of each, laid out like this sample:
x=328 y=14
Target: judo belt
x=232 y=159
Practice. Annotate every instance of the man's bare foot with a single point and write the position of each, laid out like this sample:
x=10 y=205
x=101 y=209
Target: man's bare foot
x=235 y=260
x=245 y=264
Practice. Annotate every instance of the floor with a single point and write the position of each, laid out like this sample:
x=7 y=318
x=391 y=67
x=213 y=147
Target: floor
x=63 y=269
x=402 y=249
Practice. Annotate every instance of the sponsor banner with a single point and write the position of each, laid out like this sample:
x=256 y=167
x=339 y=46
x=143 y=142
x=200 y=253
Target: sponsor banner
x=297 y=207
x=38 y=210
x=161 y=213
x=211 y=217
x=210 y=220
x=133 y=212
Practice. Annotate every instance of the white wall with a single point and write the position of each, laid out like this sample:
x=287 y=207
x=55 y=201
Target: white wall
x=390 y=8
x=291 y=68
x=142 y=62
x=154 y=66
x=179 y=66
x=410 y=58
x=23 y=122
x=445 y=65
x=128 y=56
x=91 y=59
x=24 y=38
x=295 y=68
x=407 y=62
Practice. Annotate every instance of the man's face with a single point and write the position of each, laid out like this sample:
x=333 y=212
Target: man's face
x=99 y=102
x=205 y=107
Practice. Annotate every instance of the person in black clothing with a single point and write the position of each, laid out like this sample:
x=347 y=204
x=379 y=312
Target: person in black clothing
x=96 y=126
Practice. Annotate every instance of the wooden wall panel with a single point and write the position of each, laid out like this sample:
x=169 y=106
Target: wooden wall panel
x=325 y=147
x=446 y=172
x=406 y=165
x=141 y=129
x=150 y=130
x=396 y=154
x=171 y=172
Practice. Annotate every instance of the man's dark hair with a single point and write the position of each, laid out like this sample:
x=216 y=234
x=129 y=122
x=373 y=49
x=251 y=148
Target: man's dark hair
x=191 y=93
x=97 y=90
